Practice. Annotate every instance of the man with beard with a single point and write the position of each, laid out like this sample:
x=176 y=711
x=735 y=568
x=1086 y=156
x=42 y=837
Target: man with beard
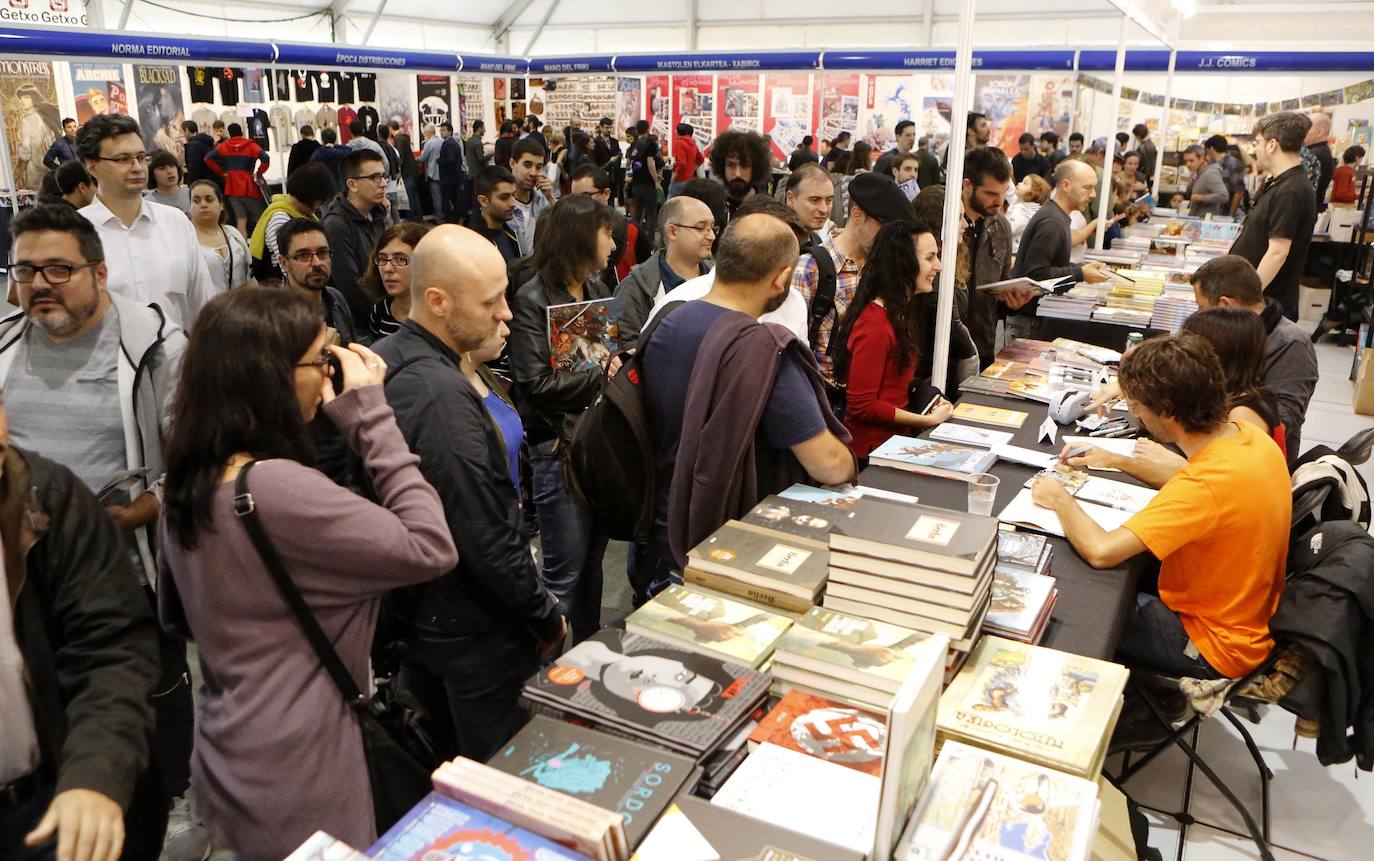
x=306 y=266
x=495 y=191
x=740 y=161
x=977 y=133
x=479 y=631
x=771 y=417
x=984 y=254
x=88 y=377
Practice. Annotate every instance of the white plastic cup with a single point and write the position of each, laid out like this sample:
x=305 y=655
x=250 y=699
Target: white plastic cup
x=982 y=493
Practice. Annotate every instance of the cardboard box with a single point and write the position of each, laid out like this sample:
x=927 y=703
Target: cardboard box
x=1364 y=384
x=1114 y=841
x=1312 y=303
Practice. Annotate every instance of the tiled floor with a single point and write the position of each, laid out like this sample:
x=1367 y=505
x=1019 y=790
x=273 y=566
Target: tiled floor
x=1321 y=813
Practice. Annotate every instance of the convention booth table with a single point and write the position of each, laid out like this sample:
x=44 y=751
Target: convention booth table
x=1103 y=334
x=1092 y=607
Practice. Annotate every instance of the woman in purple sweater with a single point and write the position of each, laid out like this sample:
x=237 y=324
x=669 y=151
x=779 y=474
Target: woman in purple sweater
x=278 y=754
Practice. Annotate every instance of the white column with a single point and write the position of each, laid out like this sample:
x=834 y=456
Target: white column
x=954 y=200
x=1104 y=194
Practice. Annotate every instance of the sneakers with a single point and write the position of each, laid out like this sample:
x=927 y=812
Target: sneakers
x=187 y=839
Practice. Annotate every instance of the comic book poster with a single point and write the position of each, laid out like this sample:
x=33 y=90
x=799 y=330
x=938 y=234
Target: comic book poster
x=582 y=335
x=1051 y=100
x=694 y=99
x=890 y=99
x=160 y=109
x=1003 y=99
x=629 y=99
x=787 y=112
x=395 y=101
x=432 y=96
x=28 y=96
x=838 y=105
x=658 y=88
x=935 y=114
x=737 y=103
x=99 y=89
x=472 y=103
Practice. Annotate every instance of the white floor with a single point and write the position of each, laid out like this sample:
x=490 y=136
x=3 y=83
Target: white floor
x=1322 y=813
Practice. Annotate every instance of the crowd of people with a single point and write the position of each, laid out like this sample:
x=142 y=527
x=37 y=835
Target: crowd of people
x=388 y=383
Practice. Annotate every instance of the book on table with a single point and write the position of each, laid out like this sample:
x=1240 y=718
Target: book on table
x=582 y=335
x=1022 y=550
x=951 y=541
x=802 y=793
x=962 y=634
x=989 y=415
x=983 y=805
x=853 y=648
x=802 y=520
x=1039 y=704
x=1023 y=512
x=1116 y=494
x=909 y=581
x=584 y=827
x=1021 y=603
x=324 y=847
x=932 y=457
x=1026 y=456
x=692 y=829
x=788 y=679
x=776 y=564
x=635 y=780
x=442 y=827
x=709 y=625
x=910 y=747
x=896 y=595
x=648 y=690
x=969 y=435
x=841 y=496
x=826 y=729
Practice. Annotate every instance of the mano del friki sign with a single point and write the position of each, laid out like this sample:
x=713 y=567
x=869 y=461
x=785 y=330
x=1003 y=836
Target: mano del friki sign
x=51 y=13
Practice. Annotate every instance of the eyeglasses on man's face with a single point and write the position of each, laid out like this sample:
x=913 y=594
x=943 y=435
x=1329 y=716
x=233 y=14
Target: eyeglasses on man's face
x=53 y=273
x=704 y=228
x=378 y=178
x=306 y=256
x=141 y=158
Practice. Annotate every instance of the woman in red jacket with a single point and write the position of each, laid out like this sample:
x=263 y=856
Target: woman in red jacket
x=880 y=331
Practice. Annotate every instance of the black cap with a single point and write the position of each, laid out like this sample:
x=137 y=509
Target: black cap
x=880 y=198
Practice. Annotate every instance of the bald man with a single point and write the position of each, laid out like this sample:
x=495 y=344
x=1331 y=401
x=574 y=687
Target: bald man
x=1317 y=157
x=688 y=229
x=771 y=418
x=479 y=631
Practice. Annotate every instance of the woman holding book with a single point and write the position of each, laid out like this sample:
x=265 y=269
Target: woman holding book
x=571 y=247
x=876 y=340
x=278 y=751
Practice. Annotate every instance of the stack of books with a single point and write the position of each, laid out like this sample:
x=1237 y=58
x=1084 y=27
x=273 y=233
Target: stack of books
x=324 y=847
x=1023 y=594
x=440 y=827
x=917 y=567
x=709 y=624
x=1172 y=308
x=1041 y=705
x=1115 y=256
x=695 y=830
x=644 y=689
x=592 y=831
x=932 y=457
x=776 y=556
x=1067 y=307
x=851 y=659
x=983 y=805
x=632 y=779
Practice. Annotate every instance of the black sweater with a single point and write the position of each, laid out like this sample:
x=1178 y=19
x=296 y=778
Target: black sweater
x=1046 y=245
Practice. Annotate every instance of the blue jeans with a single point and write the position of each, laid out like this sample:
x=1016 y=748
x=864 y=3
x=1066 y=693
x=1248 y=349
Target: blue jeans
x=651 y=567
x=436 y=195
x=571 y=544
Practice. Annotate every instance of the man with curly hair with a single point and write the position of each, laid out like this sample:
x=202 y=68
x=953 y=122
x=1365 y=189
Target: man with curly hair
x=739 y=160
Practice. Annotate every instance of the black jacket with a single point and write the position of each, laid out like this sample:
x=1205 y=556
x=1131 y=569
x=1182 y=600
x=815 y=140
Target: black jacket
x=502 y=237
x=63 y=150
x=495 y=586
x=548 y=399
x=1046 y=245
x=451 y=161
x=196 y=149
x=84 y=626
x=1328 y=609
x=352 y=236
x=301 y=151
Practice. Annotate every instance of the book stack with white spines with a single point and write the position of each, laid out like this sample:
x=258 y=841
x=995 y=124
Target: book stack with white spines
x=593 y=831
x=1023 y=593
x=710 y=624
x=917 y=567
x=851 y=659
x=1042 y=705
x=776 y=556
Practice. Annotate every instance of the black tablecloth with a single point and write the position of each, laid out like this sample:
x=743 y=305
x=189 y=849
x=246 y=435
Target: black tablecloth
x=1111 y=335
x=1091 y=611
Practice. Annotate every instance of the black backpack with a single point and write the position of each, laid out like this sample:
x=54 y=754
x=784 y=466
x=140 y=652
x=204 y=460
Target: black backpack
x=823 y=303
x=609 y=459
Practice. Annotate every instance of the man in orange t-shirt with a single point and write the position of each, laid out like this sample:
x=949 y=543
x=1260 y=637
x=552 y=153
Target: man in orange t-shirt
x=1219 y=525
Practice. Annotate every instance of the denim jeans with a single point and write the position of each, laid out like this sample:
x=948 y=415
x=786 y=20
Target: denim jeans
x=436 y=195
x=571 y=544
x=1155 y=639
x=651 y=568
x=470 y=685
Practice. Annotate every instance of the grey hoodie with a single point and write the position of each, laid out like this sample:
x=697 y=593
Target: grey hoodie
x=634 y=297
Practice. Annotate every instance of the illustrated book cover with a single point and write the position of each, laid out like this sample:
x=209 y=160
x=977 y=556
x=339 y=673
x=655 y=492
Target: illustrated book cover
x=826 y=729
x=932 y=457
x=867 y=652
x=709 y=624
x=582 y=335
x=440 y=827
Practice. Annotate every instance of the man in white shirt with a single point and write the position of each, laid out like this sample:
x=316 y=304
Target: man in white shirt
x=150 y=249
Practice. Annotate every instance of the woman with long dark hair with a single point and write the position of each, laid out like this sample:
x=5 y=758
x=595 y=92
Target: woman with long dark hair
x=388 y=276
x=1239 y=339
x=278 y=752
x=860 y=160
x=571 y=246
x=877 y=338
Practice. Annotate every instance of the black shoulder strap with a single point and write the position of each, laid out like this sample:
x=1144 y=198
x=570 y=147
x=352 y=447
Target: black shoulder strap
x=823 y=303
x=648 y=331
x=246 y=511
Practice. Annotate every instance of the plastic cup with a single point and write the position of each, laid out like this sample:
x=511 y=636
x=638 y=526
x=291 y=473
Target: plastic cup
x=982 y=493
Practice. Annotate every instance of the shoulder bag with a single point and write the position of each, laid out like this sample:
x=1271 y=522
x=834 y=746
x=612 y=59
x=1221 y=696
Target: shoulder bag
x=400 y=755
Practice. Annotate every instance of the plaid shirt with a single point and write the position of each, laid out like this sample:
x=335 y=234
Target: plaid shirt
x=805 y=278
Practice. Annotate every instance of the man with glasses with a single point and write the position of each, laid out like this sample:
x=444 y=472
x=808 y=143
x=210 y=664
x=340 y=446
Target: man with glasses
x=688 y=228
x=307 y=262
x=151 y=252
x=353 y=221
x=88 y=377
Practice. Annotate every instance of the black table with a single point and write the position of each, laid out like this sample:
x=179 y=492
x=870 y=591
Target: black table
x=1099 y=332
x=1091 y=611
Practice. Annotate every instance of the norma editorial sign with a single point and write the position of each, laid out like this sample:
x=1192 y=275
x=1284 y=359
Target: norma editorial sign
x=81 y=43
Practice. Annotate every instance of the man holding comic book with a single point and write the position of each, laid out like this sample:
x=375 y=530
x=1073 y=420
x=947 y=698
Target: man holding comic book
x=1219 y=525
